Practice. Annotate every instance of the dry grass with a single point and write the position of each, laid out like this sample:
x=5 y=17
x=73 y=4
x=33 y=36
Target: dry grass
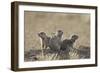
x=48 y=55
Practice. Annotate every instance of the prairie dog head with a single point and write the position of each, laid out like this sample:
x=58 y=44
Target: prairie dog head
x=59 y=33
x=74 y=37
x=42 y=35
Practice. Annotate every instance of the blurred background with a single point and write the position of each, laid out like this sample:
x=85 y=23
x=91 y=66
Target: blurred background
x=50 y=23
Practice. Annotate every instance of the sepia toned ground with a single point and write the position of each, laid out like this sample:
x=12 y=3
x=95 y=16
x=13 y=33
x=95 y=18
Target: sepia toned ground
x=48 y=22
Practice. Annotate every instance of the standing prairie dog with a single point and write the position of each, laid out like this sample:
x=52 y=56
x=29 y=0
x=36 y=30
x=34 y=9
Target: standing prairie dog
x=55 y=42
x=68 y=43
x=45 y=39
